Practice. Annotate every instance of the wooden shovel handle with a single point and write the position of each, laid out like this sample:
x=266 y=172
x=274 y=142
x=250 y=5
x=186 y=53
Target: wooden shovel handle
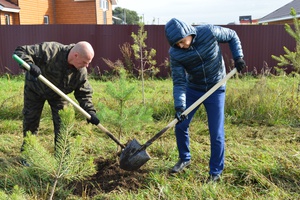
x=66 y=97
x=192 y=107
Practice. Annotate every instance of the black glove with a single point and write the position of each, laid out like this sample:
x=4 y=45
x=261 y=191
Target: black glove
x=240 y=64
x=94 y=119
x=35 y=71
x=179 y=115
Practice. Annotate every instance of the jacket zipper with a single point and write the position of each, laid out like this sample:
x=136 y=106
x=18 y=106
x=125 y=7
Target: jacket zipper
x=202 y=68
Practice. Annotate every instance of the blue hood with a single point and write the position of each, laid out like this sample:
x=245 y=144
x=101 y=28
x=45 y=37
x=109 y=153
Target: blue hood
x=175 y=30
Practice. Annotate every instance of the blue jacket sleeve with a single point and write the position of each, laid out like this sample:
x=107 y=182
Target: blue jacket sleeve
x=226 y=35
x=179 y=85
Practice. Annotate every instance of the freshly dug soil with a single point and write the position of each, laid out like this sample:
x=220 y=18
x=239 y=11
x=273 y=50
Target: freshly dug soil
x=110 y=177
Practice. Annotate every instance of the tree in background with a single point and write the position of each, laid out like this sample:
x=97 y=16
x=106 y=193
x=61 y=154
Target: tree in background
x=126 y=16
x=290 y=57
x=144 y=56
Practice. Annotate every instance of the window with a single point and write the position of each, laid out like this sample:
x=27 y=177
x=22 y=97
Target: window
x=7 y=20
x=104 y=4
x=46 y=19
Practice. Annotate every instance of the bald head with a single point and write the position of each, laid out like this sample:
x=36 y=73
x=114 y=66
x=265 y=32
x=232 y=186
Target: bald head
x=84 y=49
x=81 y=54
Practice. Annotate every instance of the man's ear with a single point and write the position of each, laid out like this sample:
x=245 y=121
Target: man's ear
x=75 y=54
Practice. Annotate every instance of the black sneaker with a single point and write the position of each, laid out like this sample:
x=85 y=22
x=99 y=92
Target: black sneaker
x=24 y=163
x=214 y=178
x=180 y=165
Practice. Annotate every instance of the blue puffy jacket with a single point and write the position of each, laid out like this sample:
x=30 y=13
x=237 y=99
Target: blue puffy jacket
x=200 y=66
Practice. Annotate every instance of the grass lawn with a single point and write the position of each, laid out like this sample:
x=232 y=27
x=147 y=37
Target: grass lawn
x=262 y=158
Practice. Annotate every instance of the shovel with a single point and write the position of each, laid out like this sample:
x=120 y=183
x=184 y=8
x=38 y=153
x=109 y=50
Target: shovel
x=63 y=95
x=134 y=155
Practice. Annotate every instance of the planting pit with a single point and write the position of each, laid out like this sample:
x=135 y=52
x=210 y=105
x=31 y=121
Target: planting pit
x=108 y=178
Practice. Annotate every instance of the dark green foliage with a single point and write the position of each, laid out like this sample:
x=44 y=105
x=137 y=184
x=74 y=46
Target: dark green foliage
x=126 y=16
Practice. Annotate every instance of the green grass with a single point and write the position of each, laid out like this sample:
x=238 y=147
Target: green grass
x=262 y=142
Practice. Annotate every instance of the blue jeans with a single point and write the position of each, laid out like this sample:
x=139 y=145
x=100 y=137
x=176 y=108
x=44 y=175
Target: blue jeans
x=214 y=106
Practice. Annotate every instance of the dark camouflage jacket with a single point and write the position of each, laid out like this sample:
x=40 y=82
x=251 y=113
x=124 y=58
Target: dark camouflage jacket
x=51 y=58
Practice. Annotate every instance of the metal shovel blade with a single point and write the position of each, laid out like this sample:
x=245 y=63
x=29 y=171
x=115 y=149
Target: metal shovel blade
x=132 y=157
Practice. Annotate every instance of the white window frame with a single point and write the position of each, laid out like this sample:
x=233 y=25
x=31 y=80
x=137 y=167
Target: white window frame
x=7 y=19
x=46 y=19
x=104 y=5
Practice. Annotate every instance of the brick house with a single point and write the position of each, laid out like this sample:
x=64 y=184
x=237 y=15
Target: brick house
x=9 y=13
x=27 y=12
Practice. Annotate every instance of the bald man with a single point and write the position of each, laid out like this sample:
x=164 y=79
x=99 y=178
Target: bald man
x=65 y=66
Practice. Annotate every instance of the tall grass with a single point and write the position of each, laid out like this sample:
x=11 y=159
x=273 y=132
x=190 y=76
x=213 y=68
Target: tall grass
x=262 y=142
x=268 y=101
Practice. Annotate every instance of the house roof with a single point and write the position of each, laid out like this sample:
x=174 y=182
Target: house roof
x=8 y=6
x=282 y=13
x=114 y=2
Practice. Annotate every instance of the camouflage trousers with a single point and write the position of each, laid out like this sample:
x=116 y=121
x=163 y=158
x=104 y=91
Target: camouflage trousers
x=32 y=110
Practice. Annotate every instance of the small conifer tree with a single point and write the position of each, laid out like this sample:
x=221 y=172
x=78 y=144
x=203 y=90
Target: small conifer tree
x=126 y=115
x=290 y=57
x=146 y=57
x=69 y=162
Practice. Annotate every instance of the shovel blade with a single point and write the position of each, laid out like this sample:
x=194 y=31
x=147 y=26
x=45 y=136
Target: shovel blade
x=132 y=158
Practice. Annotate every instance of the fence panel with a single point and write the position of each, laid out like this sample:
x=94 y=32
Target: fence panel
x=259 y=42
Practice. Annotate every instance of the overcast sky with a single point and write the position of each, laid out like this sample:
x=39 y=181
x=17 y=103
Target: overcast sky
x=220 y=12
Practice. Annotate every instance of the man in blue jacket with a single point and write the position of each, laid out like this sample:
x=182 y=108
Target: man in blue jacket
x=197 y=65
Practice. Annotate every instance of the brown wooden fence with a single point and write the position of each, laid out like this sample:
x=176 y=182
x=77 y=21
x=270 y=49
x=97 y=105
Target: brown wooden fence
x=259 y=42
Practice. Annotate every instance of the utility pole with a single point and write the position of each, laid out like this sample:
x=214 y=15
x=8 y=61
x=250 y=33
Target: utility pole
x=143 y=19
x=124 y=16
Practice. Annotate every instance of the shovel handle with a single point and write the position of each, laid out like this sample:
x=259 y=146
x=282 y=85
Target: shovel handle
x=109 y=134
x=192 y=107
x=66 y=97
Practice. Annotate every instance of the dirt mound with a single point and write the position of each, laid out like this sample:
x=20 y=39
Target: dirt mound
x=110 y=177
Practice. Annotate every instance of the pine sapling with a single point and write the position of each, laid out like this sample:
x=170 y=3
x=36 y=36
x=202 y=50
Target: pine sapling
x=69 y=162
x=126 y=115
x=291 y=57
